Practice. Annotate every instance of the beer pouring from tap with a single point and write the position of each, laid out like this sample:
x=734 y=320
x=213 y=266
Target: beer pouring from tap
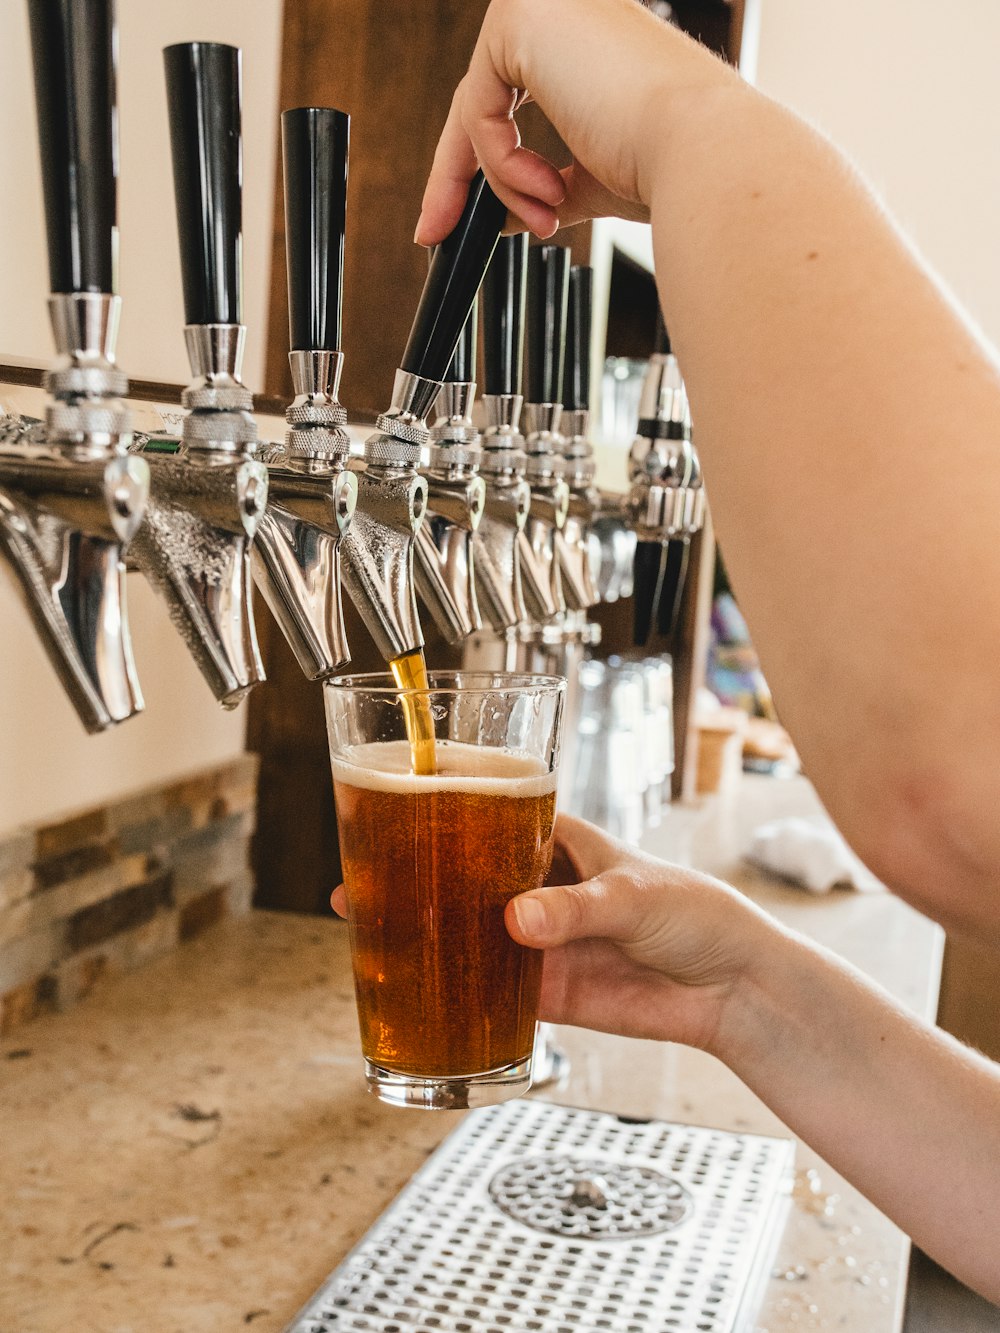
x=312 y=492
x=71 y=497
x=206 y=502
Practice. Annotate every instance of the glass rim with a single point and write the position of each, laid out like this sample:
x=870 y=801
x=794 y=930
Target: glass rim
x=383 y=683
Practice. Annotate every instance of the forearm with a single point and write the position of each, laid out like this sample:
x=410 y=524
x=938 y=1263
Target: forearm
x=849 y=427
x=905 y=1113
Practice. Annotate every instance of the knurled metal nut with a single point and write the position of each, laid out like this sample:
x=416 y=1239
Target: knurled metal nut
x=222 y=427
x=325 y=414
x=86 y=418
x=454 y=455
x=87 y=379
x=494 y=461
x=384 y=449
x=222 y=400
x=455 y=435
x=318 y=442
x=398 y=429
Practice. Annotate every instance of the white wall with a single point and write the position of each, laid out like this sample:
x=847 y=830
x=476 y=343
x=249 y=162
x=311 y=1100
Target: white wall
x=47 y=764
x=151 y=345
x=910 y=89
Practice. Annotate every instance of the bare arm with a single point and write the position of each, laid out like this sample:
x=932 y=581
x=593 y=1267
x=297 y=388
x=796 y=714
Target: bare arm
x=908 y=1115
x=847 y=417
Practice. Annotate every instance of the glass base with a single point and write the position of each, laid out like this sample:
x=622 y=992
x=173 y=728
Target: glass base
x=449 y=1093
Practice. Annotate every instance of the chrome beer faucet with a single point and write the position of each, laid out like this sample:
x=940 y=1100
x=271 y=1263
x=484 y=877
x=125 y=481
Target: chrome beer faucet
x=71 y=497
x=312 y=495
x=499 y=541
x=665 y=503
x=445 y=560
x=577 y=554
x=541 y=558
x=392 y=496
x=207 y=500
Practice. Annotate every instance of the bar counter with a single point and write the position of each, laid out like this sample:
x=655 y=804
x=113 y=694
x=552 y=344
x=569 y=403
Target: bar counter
x=191 y=1148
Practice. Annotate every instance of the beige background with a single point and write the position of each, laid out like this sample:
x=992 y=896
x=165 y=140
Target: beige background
x=908 y=87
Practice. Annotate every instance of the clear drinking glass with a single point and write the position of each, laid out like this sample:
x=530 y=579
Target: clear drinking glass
x=447 y=1002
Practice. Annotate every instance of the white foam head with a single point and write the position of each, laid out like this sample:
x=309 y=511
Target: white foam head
x=385 y=766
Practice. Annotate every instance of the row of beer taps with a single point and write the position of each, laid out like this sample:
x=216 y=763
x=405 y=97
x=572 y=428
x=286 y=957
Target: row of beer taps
x=500 y=532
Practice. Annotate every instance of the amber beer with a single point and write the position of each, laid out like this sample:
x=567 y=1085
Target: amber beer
x=429 y=863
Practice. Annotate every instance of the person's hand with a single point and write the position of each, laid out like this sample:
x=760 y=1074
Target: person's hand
x=602 y=71
x=637 y=946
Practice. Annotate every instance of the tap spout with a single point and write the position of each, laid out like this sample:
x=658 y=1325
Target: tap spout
x=378 y=553
x=64 y=525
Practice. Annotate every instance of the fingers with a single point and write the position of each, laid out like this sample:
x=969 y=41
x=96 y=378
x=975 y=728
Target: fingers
x=480 y=130
x=610 y=906
x=338 y=900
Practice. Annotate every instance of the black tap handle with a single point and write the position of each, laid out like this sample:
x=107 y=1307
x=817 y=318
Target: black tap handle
x=661 y=339
x=647 y=585
x=672 y=593
x=576 y=379
x=462 y=366
x=453 y=280
x=504 y=290
x=73 y=49
x=548 y=292
x=314 y=143
x=203 y=101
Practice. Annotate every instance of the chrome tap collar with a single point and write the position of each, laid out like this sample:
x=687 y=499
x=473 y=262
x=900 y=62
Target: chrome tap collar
x=86 y=414
x=503 y=413
x=454 y=404
x=215 y=352
x=541 y=424
x=406 y=419
x=85 y=330
x=315 y=415
x=574 y=426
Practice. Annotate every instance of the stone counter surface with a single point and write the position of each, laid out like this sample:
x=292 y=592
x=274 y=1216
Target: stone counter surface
x=191 y=1149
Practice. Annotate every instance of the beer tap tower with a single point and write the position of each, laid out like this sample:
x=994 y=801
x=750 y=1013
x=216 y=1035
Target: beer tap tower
x=72 y=499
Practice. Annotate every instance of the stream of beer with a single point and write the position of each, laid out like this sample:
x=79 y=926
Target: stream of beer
x=410 y=673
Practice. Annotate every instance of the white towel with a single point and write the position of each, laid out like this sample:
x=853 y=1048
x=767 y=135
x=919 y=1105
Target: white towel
x=809 y=853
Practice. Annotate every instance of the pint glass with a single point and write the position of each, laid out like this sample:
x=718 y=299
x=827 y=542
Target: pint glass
x=447 y=1002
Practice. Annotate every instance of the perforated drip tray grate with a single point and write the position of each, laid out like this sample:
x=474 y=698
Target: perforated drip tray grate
x=532 y=1218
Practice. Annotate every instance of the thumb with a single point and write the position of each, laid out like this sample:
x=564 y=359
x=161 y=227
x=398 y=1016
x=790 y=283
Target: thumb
x=605 y=907
x=587 y=198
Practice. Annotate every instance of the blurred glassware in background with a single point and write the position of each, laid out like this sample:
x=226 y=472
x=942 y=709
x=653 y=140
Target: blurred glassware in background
x=623 y=748
x=621 y=389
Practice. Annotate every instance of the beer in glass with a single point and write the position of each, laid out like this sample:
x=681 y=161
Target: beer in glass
x=447 y=1002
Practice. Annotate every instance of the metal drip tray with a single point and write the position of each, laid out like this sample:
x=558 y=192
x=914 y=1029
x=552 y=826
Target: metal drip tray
x=532 y=1218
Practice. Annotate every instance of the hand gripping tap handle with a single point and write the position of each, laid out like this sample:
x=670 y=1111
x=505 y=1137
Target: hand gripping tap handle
x=504 y=291
x=548 y=293
x=455 y=274
x=576 y=377
x=314 y=141
x=72 y=44
x=203 y=102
